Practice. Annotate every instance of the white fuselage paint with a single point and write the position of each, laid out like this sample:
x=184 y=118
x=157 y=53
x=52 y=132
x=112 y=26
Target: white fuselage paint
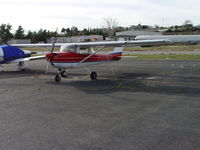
x=76 y=65
x=1 y=55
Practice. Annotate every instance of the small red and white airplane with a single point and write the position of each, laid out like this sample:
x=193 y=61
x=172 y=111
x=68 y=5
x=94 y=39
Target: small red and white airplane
x=73 y=55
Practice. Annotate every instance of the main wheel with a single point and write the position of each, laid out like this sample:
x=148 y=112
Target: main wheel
x=93 y=75
x=23 y=69
x=57 y=78
x=63 y=74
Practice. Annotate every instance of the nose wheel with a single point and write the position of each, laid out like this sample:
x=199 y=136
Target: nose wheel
x=58 y=78
x=60 y=75
x=21 y=66
x=93 y=75
x=63 y=74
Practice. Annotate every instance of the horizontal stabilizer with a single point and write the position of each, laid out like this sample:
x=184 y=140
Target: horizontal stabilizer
x=129 y=56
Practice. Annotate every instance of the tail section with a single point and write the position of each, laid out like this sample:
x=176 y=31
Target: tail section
x=117 y=51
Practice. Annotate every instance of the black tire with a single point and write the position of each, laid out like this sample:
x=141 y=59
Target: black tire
x=63 y=74
x=22 y=70
x=93 y=75
x=57 y=78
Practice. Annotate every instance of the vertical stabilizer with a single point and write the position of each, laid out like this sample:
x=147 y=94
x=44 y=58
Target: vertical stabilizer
x=117 y=51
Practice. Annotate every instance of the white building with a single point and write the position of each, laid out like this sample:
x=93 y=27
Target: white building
x=132 y=34
x=19 y=41
x=188 y=39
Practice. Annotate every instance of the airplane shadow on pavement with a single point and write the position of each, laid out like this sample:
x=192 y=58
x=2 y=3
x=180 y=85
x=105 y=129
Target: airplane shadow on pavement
x=137 y=82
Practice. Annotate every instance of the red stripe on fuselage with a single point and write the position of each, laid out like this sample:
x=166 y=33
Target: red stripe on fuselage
x=76 y=57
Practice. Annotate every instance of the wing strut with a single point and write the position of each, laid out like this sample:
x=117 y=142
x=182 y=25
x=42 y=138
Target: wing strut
x=88 y=57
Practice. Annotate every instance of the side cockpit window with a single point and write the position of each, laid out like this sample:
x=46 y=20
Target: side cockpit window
x=85 y=50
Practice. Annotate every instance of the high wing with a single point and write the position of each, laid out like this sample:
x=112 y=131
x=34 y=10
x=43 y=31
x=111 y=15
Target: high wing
x=66 y=46
x=96 y=44
x=122 y=43
x=37 y=45
x=26 y=59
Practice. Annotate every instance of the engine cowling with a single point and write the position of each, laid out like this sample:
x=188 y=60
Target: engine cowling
x=49 y=56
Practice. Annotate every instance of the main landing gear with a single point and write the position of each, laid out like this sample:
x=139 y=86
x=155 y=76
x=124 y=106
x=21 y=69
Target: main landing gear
x=93 y=75
x=60 y=75
x=63 y=74
x=21 y=66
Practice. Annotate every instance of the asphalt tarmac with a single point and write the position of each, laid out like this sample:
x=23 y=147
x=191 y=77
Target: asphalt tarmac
x=146 y=105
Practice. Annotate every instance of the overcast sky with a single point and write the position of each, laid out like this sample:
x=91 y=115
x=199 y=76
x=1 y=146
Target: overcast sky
x=55 y=14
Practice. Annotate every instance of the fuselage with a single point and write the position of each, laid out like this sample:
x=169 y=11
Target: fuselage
x=65 y=60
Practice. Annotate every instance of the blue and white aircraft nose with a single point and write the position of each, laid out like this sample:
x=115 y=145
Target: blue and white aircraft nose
x=1 y=55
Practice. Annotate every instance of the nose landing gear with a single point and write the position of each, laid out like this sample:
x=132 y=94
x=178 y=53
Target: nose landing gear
x=58 y=78
x=60 y=75
x=21 y=66
x=63 y=74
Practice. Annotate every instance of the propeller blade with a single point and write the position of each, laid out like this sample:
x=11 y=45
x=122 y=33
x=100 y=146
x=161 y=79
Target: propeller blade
x=53 y=44
x=47 y=68
x=52 y=49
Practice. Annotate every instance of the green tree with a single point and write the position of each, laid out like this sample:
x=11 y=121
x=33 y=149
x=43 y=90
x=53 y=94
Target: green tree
x=5 y=33
x=19 y=34
x=29 y=35
x=41 y=36
x=74 y=31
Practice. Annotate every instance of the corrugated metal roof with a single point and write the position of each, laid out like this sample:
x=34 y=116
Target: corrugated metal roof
x=137 y=33
x=174 y=38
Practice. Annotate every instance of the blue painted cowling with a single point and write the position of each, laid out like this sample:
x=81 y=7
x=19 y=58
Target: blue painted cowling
x=9 y=53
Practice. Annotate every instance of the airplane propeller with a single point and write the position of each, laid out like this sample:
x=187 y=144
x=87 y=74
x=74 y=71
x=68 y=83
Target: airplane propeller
x=52 y=50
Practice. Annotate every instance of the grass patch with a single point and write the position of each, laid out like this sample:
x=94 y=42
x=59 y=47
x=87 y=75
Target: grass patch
x=174 y=47
x=165 y=57
x=182 y=47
